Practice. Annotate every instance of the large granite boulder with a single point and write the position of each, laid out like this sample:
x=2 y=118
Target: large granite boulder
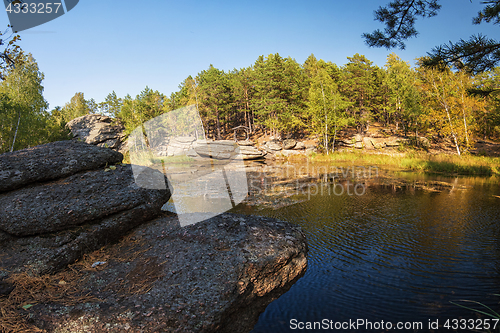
x=51 y=161
x=214 y=276
x=73 y=201
x=227 y=149
x=367 y=143
x=92 y=252
x=300 y=145
x=246 y=143
x=251 y=153
x=394 y=141
x=99 y=130
x=378 y=143
x=221 y=149
x=49 y=223
x=273 y=146
x=289 y=144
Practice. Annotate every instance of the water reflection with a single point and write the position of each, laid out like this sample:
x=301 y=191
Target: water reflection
x=400 y=252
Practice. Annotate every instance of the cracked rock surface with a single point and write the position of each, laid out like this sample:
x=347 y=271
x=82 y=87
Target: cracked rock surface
x=214 y=276
x=51 y=161
x=86 y=248
x=49 y=223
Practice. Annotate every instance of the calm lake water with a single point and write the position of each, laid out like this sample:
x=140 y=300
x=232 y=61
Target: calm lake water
x=400 y=249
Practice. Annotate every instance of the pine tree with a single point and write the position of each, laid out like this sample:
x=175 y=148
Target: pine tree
x=403 y=96
x=358 y=83
x=214 y=98
x=475 y=55
x=111 y=105
x=241 y=82
x=280 y=93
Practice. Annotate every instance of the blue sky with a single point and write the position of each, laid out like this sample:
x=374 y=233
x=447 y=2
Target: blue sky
x=105 y=45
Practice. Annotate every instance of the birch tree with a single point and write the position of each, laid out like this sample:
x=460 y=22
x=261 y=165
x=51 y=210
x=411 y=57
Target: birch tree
x=326 y=105
x=25 y=114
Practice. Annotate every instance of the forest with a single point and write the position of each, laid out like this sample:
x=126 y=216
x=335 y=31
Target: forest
x=279 y=97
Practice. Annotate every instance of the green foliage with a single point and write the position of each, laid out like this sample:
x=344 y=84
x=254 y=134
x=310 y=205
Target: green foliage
x=243 y=91
x=488 y=121
x=77 y=107
x=281 y=97
x=24 y=115
x=12 y=52
x=280 y=93
x=214 y=99
x=404 y=101
x=451 y=109
x=135 y=112
x=359 y=85
x=326 y=106
x=8 y=112
x=112 y=105
x=476 y=55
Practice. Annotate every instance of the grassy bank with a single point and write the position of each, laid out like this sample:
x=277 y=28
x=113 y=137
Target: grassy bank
x=420 y=162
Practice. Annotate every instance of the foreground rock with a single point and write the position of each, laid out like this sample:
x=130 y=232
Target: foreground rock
x=73 y=201
x=99 y=130
x=214 y=276
x=44 y=226
x=51 y=161
x=84 y=253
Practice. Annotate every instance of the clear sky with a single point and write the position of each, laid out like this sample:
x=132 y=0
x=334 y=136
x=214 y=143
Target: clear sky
x=124 y=45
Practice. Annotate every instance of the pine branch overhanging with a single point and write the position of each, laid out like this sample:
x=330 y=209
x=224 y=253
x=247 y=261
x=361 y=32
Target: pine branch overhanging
x=476 y=55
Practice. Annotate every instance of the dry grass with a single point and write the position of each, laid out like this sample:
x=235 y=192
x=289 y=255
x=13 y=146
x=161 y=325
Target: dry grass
x=421 y=162
x=62 y=288
x=65 y=287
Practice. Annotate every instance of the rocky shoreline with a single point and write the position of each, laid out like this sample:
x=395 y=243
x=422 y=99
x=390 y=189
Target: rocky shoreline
x=85 y=247
x=104 y=131
x=215 y=276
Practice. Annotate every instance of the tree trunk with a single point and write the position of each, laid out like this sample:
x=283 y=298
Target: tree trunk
x=335 y=126
x=465 y=122
x=452 y=131
x=15 y=134
x=217 y=123
x=326 y=119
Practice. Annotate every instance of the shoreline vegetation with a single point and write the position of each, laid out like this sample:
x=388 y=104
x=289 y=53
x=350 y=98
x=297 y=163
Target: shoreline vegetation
x=278 y=97
x=419 y=162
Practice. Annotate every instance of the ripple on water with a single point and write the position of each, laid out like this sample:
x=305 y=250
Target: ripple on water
x=392 y=256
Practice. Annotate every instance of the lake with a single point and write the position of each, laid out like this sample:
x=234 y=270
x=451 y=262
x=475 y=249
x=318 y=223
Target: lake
x=384 y=246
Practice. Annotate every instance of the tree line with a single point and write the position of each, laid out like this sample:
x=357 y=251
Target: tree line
x=282 y=98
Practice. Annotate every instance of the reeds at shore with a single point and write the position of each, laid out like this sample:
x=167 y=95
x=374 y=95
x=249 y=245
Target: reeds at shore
x=420 y=162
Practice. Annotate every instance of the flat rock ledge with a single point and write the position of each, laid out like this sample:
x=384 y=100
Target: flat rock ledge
x=214 y=276
x=51 y=161
x=68 y=205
